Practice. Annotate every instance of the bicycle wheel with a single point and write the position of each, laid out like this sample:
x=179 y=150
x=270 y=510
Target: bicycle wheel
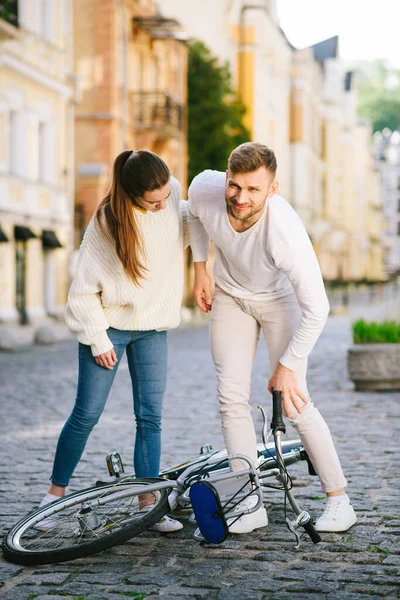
x=84 y=523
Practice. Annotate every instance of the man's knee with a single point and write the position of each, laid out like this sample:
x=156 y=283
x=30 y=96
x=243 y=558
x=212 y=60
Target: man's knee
x=308 y=414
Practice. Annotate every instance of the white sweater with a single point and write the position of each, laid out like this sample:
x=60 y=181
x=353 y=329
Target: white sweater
x=270 y=260
x=103 y=296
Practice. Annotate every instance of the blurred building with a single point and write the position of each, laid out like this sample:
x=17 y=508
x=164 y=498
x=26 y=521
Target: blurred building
x=335 y=183
x=36 y=158
x=247 y=35
x=132 y=64
x=303 y=104
x=387 y=154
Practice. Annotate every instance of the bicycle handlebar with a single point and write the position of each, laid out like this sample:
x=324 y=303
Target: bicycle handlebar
x=312 y=532
x=277 y=423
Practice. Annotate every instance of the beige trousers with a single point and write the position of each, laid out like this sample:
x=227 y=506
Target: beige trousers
x=234 y=332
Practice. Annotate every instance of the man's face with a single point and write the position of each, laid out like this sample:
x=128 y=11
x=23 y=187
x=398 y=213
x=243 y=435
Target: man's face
x=247 y=193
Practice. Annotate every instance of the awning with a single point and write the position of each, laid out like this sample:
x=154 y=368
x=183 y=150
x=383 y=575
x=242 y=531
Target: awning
x=3 y=237
x=50 y=240
x=23 y=233
x=161 y=28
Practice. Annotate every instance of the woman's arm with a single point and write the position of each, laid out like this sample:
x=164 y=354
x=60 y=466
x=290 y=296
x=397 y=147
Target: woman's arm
x=84 y=312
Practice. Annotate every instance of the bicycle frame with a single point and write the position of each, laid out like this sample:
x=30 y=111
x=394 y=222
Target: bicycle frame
x=214 y=465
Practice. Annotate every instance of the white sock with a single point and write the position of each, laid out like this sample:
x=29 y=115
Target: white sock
x=49 y=498
x=343 y=499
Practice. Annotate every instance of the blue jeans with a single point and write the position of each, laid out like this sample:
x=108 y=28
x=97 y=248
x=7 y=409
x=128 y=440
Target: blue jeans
x=147 y=353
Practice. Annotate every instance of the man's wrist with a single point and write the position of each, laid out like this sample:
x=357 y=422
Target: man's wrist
x=282 y=369
x=200 y=267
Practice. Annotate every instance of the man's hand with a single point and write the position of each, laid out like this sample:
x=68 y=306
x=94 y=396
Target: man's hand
x=284 y=379
x=107 y=360
x=202 y=287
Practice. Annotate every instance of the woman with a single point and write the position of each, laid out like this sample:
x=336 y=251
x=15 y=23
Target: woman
x=125 y=295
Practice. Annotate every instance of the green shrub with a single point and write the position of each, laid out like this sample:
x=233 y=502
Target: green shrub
x=387 y=332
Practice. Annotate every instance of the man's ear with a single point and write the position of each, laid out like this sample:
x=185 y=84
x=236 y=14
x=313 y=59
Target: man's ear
x=226 y=177
x=273 y=189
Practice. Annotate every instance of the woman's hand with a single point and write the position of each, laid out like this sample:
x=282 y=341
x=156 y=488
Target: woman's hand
x=284 y=379
x=107 y=360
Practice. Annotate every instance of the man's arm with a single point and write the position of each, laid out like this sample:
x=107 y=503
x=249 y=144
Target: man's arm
x=199 y=242
x=293 y=253
x=302 y=268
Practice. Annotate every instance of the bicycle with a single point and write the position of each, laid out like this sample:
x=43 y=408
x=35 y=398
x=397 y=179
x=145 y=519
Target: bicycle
x=97 y=518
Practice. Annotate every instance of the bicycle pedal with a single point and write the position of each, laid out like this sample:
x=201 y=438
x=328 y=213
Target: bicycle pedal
x=208 y=512
x=114 y=464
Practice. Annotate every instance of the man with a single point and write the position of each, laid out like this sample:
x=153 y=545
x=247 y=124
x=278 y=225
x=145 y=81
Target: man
x=267 y=278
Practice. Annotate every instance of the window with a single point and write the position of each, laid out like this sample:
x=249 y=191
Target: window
x=13 y=141
x=398 y=208
x=42 y=170
x=44 y=19
x=398 y=228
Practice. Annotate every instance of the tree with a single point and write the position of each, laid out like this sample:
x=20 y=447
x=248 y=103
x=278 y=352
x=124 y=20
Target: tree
x=215 y=113
x=379 y=95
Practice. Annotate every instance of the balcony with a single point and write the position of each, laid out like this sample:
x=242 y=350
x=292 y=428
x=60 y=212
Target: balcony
x=8 y=19
x=161 y=28
x=157 y=112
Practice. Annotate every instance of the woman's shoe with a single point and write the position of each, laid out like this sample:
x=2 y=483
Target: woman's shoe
x=164 y=525
x=338 y=516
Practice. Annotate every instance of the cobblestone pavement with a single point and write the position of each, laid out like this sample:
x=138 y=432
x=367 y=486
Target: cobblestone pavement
x=37 y=388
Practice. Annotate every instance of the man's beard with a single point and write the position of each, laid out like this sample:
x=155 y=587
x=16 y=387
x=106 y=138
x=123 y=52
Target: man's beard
x=239 y=214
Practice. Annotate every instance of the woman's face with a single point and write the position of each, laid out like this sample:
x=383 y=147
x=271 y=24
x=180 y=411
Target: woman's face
x=155 y=200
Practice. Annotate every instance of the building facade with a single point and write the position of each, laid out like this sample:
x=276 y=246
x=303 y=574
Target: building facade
x=132 y=65
x=387 y=154
x=247 y=35
x=37 y=94
x=303 y=104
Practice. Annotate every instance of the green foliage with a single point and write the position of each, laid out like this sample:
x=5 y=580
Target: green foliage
x=9 y=11
x=216 y=114
x=383 y=552
x=379 y=95
x=387 y=332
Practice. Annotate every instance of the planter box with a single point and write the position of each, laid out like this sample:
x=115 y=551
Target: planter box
x=375 y=366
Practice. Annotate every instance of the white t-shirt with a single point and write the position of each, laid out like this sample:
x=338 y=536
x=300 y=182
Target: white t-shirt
x=270 y=260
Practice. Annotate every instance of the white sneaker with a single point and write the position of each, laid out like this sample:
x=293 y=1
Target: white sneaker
x=338 y=516
x=248 y=523
x=50 y=521
x=165 y=525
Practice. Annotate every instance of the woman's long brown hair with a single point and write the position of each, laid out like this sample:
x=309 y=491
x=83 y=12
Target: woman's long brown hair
x=134 y=173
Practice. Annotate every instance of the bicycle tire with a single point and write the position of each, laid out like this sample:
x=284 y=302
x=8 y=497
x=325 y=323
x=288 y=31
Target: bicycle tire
x=33 y=551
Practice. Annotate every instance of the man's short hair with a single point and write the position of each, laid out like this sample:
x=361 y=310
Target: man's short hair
x=250 y=156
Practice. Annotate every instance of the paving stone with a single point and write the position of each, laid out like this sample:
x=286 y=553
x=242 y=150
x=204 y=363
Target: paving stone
x=361 y=564
x=386 y=580
x=298 y=596
x=314 y=586
x=352 y=596
x=384 y=590
x=239 y=593
x=46 y=579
